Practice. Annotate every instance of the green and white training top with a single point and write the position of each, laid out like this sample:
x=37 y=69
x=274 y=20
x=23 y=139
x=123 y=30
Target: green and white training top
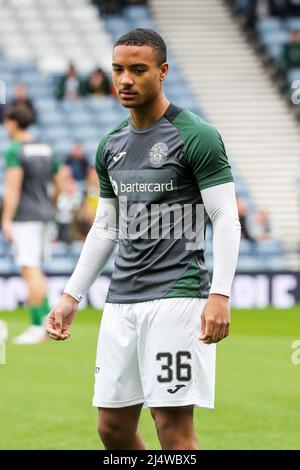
x=39 y=164
x=160 y=170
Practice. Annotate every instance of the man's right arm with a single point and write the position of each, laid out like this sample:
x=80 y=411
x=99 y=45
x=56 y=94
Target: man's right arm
x=98 y=247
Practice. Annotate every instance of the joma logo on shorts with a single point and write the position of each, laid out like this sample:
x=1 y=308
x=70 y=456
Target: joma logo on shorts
x=174 y=390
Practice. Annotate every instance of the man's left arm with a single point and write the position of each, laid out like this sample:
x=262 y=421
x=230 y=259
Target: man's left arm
x=206 y=156
x=221 y=207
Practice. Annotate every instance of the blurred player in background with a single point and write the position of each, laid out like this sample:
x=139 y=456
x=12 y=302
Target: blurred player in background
x=161 y=317
x=27 y=212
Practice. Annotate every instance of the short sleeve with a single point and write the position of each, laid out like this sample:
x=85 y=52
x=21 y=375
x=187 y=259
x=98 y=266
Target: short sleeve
x=206 y=156
x=106 y=189
x=12 y=156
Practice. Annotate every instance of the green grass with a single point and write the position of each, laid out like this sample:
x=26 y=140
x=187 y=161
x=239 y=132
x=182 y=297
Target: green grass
x=46 y=390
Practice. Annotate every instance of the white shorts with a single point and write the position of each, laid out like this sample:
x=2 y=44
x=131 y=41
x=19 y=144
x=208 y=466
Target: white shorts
x=149 y=352
x=32 y=242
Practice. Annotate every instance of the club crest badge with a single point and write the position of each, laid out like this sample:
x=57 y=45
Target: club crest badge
x=158 y=154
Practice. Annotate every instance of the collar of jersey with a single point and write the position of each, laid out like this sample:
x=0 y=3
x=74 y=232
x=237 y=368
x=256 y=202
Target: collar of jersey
x=143 y=130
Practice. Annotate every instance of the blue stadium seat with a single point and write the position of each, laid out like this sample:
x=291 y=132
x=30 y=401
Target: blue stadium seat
x=4 y=143
x=36 y=132
x=186 y=103
x=5 y=248
x=62 y=265
x=62 y=147
x=77 y=118
x=79 y=106
x=52 y=118
x=45 y=104
x=54 y=134
x=121 y=112
x=275 y=263
x=293 y=74
x=276 y=38
x=269 y=25
x=293 y=24
x=8 y=266
x=137 y=12
x=85 y=133
x=117 y=25
x=246 y=247
x=174 y=76
x=29 y=76
x=59 y=249
x=3 y=133
x=90 y=148
x=143 y=23
x=8 y=77
x=101 y=104
x=249 y=263
x=274 y=51
x=241 y=189
x=110 y=118
x=270 y=247
x=75 y=248
x=26 y=66
x=39 y=90
x=103 y=130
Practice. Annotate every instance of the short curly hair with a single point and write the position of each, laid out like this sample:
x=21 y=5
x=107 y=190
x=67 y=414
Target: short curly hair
x=145 y=37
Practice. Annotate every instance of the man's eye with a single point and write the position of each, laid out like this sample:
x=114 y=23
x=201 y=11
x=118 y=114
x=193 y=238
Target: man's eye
x=117 y=70
x=139 y=70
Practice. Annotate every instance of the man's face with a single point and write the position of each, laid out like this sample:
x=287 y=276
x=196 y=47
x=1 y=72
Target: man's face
x=77 y=151
x=136 y=74
x=21 y=92
x=11 y=126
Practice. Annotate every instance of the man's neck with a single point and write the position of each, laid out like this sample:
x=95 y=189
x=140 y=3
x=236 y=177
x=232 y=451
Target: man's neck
x=22 y=136
x=145 y=116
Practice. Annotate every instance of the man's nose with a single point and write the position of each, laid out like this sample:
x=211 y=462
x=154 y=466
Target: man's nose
x=126 y=79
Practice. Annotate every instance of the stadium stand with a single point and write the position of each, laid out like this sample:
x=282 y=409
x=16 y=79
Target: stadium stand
x=38 y=41
x=238 y=96
x=277 y=35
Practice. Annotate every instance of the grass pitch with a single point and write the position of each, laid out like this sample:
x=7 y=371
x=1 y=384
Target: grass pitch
x=46 y=390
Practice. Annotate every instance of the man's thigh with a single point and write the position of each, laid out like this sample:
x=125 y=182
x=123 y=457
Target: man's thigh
x=28 y=243
x=117 y=375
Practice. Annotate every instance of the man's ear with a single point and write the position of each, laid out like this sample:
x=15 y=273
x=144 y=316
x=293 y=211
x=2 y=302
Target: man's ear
x=164 y=68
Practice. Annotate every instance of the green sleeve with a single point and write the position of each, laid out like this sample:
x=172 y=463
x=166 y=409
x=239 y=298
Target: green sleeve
x=12 y=155
x=55 y=164
x=106 y=189
x=205 y=152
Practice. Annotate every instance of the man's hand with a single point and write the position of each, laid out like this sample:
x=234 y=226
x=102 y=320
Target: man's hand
x=215 y=319
x=7 y=229
x=61 y=317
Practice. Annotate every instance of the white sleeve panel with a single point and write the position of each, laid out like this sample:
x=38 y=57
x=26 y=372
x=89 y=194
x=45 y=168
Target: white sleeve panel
x=220 y=204
x=98 y=246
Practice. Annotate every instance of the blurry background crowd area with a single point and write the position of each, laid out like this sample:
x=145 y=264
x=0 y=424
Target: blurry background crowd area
x=274 y=28
x=58 y=63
